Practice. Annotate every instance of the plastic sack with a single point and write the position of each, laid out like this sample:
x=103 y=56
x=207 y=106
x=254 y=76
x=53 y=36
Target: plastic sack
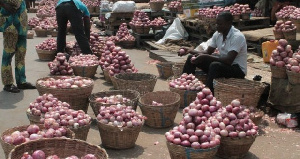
x=289 y=120
x=105 y=6
x=123 y=6
x=175 y=32
x=203 y=46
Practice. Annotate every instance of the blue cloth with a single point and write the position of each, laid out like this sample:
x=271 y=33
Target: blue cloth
x=78 y=4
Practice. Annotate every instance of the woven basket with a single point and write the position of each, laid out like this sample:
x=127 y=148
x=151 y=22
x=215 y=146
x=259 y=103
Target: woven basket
x=290 y=35
x=236 y=18
x=97 y=9
x=294 y=78
x=118 y=138
x=201 y=76
x=177 y=69
x=245 y=16
x=257 y=118
x=85 y=71
x=30 y=35
x=165 y=69
x=41 y=32
x=247 y=91
x=278 y=72
x=141 y=82
x=76 y=97
x=127 y=44
x=106 y=76
x=235 y=148
x=181 y=152
x=186 y=97
x=160 y=116
x=114 y=82
x=91 y=9
x=297 y=24
x=129 y=94
x=46 y=55
x=8 y=147
x=278 y=35
x=54 y=33
x=60 y=147
x=147 y=29
x=81 y=132
x=33 y=119
x=132 y=27
x=156 y=6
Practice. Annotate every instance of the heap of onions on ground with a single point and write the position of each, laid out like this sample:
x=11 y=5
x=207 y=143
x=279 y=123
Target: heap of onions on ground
x=187 y=82
x=281 y=55
x=113 y=99
x=60 y=66
x=65 y=82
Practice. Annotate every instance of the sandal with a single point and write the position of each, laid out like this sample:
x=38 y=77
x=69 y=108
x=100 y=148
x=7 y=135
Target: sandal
x=26 y=85
x=11 y=88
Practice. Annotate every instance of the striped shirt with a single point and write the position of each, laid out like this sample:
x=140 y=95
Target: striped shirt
x=78 y=4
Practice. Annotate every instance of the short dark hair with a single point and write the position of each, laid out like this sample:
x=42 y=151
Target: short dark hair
x=227 y=16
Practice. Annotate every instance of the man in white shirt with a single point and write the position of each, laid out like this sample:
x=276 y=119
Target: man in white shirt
x=232 y=46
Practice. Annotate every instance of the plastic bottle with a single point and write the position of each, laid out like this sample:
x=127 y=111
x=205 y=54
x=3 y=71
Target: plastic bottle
x=267 y=48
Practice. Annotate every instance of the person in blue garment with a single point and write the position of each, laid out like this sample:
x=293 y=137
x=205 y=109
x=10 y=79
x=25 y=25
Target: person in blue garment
x=78 y=15
x=13 y=24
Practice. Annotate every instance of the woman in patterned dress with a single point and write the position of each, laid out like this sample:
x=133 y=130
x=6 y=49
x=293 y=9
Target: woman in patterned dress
x=13 y=24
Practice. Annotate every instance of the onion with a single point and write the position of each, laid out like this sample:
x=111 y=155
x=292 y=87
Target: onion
x=38 y=154
x=224 y=133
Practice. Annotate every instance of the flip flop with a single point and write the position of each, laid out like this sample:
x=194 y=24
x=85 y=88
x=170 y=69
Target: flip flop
x=11 y=88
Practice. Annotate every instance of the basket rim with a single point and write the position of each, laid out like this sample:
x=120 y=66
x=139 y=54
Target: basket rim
x=164 y=105
x=61 y=139
x=123 y=128
x=183 y=89
x=125 y=74
x=239 y=138
x=88 y=86
x=77 y=66
x=94 y=95
x=79 y=127
x=220 y=80
x=194 y=150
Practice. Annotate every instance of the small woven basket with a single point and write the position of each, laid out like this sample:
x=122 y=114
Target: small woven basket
x=290 y=35
x=54 y=33
x=186 y=97
x=76 y=97
x=129 y=94
x=8 y=147
x=46 y=55
x=141 y=82
x=278 y=72
x=118 y=138
x=245 y=16
x=181 y=152
x=33 y=119
x=247 y=91
x=165 y=69
x=278 y=35
x=294 y=78
x=81 y=132
x=41 y=32
x=156 y=6
x=236 y=18
x=61 y=147
x=85 y=71
x=106 y=76
x=201 y=76
x=177 y=69
x=160 y=116
x=257 y=117
x=127 y=44
x=297 y=24
x=139 y=29
x=30 y=35
x=235 y=148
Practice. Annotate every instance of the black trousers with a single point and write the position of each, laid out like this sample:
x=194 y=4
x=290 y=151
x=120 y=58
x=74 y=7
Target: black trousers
x=214 y=70
x=68 y=11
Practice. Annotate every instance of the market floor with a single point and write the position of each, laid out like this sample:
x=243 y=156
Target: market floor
x=273 y=143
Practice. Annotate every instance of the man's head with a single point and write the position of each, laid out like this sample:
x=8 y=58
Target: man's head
x=224 y=22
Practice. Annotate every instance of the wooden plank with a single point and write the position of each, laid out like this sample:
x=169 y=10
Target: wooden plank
x=165 y=56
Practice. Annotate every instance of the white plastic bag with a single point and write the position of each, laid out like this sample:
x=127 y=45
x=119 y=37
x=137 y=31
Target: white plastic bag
x=175 y=32
x=289 y=120
x=123 y=6
x=203 y=46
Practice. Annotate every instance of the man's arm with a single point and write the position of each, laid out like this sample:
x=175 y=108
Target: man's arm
x=209 y=51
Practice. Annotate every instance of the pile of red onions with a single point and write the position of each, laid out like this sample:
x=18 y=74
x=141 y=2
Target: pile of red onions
x=84 y=60
x=279 y=26
x=39 y=154
x=114 y=39
x=281 y=55
x=175 y=4
x=65 y=82
x=187 y=82
x=293 y=63
x=95 y=43
x=48 y=44
x=33 y=132
x=285 y=12
x=48 y=23
x=140 y=19
x=120 y=116
x=46 y=103
x=33 y=22
x=66 y=117
x=289 y=26
x=123 y=33
x=257 y=13
x=47 y=10
x=116 y=60
x=158 y=22
x=154 y=103
x=60 y=66
x=89 y=3
x=113 y=99
x=295 y=15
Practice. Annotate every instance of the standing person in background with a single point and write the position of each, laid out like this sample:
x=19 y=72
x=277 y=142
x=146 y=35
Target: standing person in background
x=74 y=11
x=30 y=4
x=13 y=24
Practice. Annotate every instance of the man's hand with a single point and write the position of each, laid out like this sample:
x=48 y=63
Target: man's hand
x=9 y=7
x=184 y=51
x=199 y=59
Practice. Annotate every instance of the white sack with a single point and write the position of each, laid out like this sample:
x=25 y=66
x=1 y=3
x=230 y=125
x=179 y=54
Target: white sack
x=123 y=6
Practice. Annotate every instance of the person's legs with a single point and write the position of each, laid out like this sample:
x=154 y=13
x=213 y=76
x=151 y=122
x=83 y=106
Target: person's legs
x=20 y=60
x=62 y=21
x=190 y=67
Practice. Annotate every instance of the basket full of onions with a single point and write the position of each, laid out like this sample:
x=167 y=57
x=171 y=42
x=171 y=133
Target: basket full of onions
x=140 y=22
x=156 y=5
x=119 y=126
x=108 y=98
x=60 y=66
x=84 y=65
x=177 y=69
x=141 y=82
x=125 y=39
x=289 y=30
x=175 y=6
x=165 y=69
x=157 y=23
x=278 y=29
x=42 y=105
x=46 y=50
x=77 y=121
x=12 y=137
x=73 y=90
x=58 y=148
x=293 y=69
x=187 y=86
x=160 y=108
x=40 y=32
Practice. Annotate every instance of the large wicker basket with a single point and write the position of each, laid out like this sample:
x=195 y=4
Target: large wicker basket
x=245 y=16
x=294 y=78
x=186 y=96
x=85 y=71
x=201 y=76
x=41 y=32
x=177 y=69
x=54 y=33
x=60 y=147
x=76 y=97
x=8 y=147
x=165 y=69
x=118 y=138
x=235 y=148
x=46 y=55
x=181 y=152
x=160 y=116
x=290 y=35
x=247 y=91
x=129 y=94
x=33 y=119
x=106 y=76
x=141 y=82
x=278 y=72
x=156 y=6
x=30 y=34
x=81 y=132
x=278 y=35
x=127 y=44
